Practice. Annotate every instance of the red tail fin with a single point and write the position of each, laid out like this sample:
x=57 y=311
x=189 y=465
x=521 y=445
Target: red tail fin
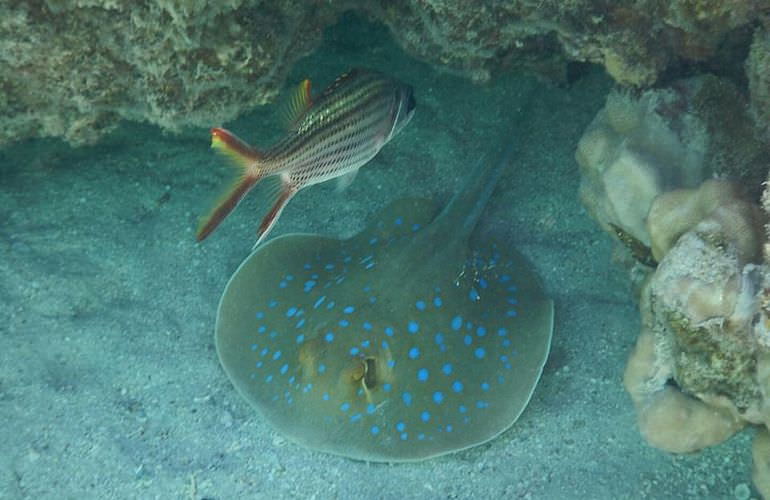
x=247 y=159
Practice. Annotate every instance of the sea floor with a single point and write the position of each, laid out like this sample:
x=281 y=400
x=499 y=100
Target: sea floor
x=110 y=385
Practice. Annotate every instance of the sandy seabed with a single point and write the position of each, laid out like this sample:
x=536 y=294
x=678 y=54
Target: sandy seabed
x=110 y=385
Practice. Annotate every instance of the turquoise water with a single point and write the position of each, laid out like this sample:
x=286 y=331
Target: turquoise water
x=110 y=386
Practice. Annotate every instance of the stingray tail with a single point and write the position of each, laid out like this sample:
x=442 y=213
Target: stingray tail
x=249 y=162
x=285 y=193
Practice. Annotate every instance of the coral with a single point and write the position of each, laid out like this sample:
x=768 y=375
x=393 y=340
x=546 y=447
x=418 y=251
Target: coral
x=74 y=68
x=647 y=153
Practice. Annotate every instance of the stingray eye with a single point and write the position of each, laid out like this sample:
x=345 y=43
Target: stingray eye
x=370 y=373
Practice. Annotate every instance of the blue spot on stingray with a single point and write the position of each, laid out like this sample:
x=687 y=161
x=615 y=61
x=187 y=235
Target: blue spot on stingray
x=365 y=343
x=269 y=378
x=345 y=406
x=283 y=284
x=437 y=301
x=354 y=351
x=511 y=313
x=330 y=305
x=260 y=315
x=307 y=266
x=259 y=364
x=457 y=322
x=407 y=397
x=421 y=436
x=512 y=301
x=413 y=327
x=263 y=351
x=481 y=331
x=325 y=396
x=480 y=352
x=462 y=409
x=347 y=259
x=467 y=340
x=505 y=278
x=447 y=368
x=457 y=386
x=288 y=277
x=372 y=300
x=391 y=363
x=356 y=417
x=300 y=323
x=483 y=283
x=506 y=343
x=482 y=404
x=370 y=408
x=484 y=386
x=425 y=416
x=512 y=288
x=329 y=266
x=386 y=387
x=449 y=428
x=400 y=426
x=343 y=323
x=254 y=347
x=414 y=353
x=367 y=326
x=438 y=397
x=369 y=265
x=314 y=276
x=272 y=304
x=385 y=345
x=319 y=301
x=273 y=334
x=415 y=227
x=422 y=374
x=375 y=430
x=502 y=332
x=399 y=221
x=404 y=436
x=329 y=336
x=349 y=309
x=309 y=284
x=420 y=305
x=284 y=369
x=276 y=355
x=262 y=329
x=373 y=241
x=321 y=368
x=473 y=295
x=388 y=331
x=439 y=338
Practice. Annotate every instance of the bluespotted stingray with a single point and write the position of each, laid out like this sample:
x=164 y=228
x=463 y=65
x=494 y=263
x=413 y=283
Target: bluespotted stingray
x=398 y=344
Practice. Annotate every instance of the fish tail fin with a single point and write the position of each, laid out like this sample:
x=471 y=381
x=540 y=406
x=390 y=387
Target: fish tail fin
x=249 y=163
x=286 y=192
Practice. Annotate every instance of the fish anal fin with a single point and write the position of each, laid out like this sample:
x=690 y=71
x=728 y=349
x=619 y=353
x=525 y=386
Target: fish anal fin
x=286 y=193
x=345 y=180
x=233 y=148
x=298 y=104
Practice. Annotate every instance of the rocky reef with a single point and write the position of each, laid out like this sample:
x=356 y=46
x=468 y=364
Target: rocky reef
x=681 y=192
x=73 y=68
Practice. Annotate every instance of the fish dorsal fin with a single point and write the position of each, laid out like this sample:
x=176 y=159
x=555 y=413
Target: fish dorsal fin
x=298 y=104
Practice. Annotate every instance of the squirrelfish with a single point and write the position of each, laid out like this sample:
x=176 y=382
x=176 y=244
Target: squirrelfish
x=331 y=136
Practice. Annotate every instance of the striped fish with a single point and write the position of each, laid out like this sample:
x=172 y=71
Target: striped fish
x=332 y=137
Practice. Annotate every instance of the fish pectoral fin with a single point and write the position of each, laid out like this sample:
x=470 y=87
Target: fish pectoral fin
x=286 y=193
x=247 y=159
x=345 y=180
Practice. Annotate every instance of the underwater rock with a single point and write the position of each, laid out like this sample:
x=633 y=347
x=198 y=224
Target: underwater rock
x=758 y=73
x=638 y=148
x=198 y=63
x=761 y=462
